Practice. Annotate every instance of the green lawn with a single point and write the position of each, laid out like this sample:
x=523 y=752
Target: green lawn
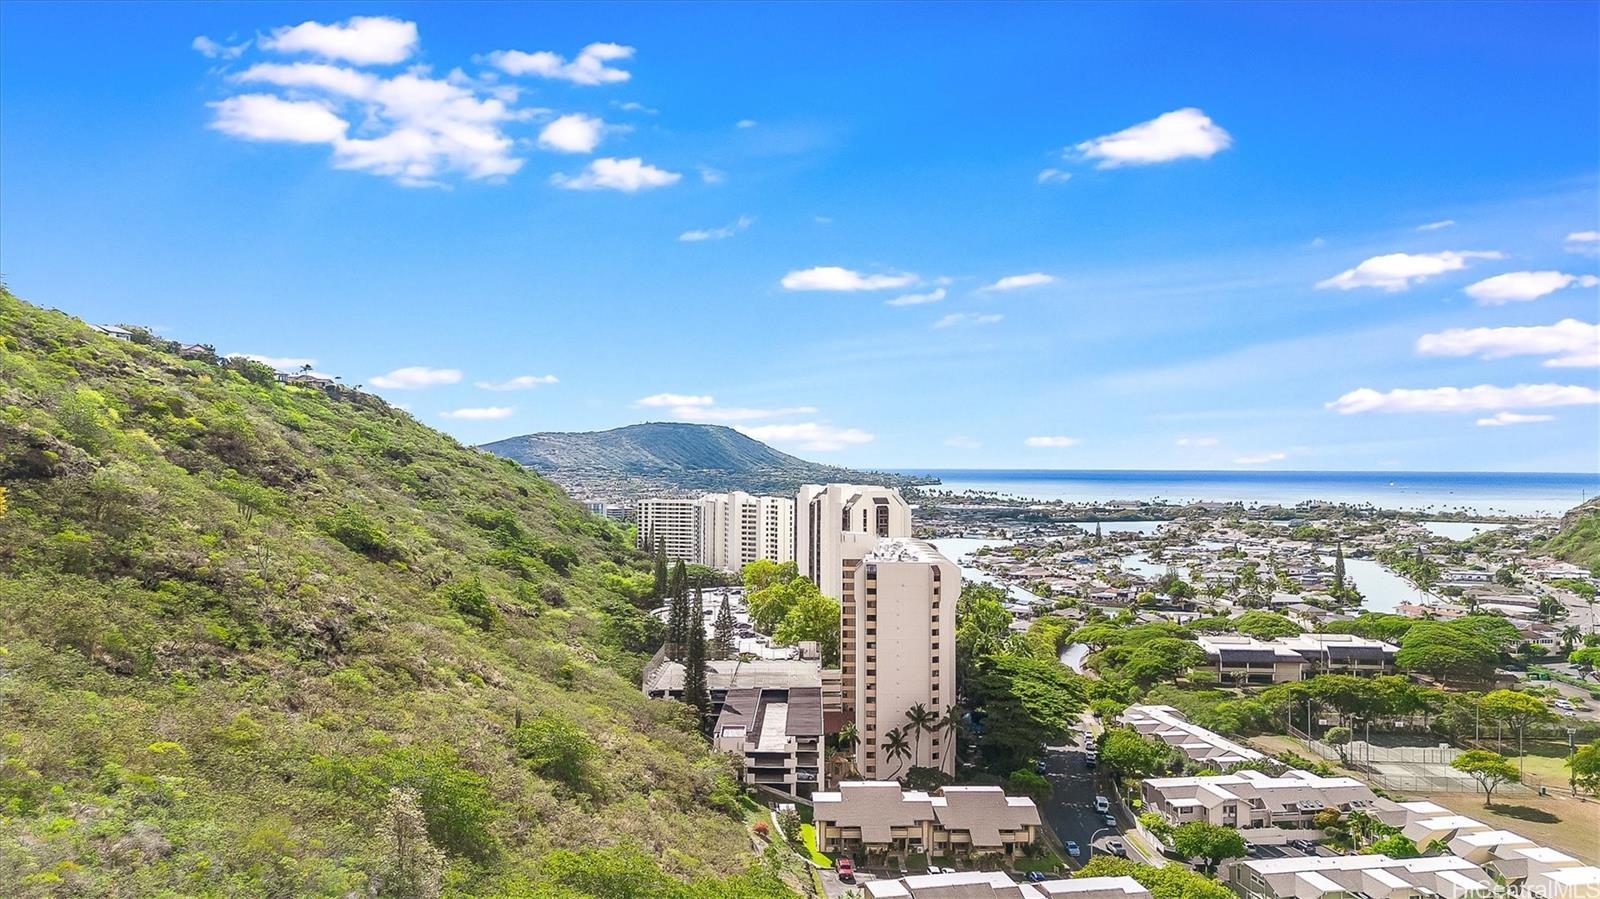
x=808 y=833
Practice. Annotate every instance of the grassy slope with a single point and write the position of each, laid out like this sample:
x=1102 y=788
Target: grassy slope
x=1579 y=538
x=206 y=694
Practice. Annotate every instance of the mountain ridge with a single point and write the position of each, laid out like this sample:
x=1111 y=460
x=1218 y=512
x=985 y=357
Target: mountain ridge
x=686 y=456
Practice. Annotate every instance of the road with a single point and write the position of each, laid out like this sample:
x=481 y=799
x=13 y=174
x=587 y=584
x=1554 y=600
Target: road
x=1069 y=812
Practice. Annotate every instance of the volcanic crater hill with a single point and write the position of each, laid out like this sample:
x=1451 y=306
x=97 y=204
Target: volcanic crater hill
x=259 y=639
x=676 y=456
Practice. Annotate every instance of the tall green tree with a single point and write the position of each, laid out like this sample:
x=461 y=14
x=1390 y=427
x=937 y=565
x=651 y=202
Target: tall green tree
x=726 y=641
x=1212 y=842
x=1583 y=768
x=919 y=720
x=813 y=617
x=1516 y=711
x=895 y=747
x=695 y=693
x=660 y=588
x=1338 y=569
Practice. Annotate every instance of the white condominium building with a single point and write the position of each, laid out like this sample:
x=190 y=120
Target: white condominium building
x=674 y=523
x=897 y=649
x=737 y=528
x=719 y=530
x=837 y=524
x=1374 y=876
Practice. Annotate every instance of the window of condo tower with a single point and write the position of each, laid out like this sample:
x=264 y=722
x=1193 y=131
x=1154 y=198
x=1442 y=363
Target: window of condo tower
x=883 y=521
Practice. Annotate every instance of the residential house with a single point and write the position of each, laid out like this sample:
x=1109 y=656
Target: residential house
x=1255 y=799
x=1168 y=725
x=778 y=733
x=999 y=885
x=880 y=817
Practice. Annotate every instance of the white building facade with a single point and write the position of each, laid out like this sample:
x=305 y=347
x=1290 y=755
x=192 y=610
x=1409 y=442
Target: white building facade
x=837 y=524
x=673 y=523
x=738 y=528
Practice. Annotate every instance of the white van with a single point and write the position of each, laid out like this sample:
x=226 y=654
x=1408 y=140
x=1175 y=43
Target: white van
x=1102 y=804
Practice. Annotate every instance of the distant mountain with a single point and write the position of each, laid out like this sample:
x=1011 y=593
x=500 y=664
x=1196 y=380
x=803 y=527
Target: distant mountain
x=674 y=455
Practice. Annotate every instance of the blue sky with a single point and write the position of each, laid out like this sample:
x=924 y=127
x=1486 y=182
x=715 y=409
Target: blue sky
x=1288 y=236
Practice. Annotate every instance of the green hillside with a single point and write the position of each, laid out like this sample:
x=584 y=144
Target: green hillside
x=677 y=455
x=1578 y=541
x=256 y=640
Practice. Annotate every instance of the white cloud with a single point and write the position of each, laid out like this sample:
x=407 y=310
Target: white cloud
x=745 y=123
x=520 y=382
x=414 y=128
x=589 y=68
x=1180 y=134
x=709 y=175
x=265 y=117
x=917 y=299
x=1198 y=441
x=960 y=442
x=363 y=40
x=1521 y=287
x=632 y=106
x=627 y=175
x=1054 y=176
x=1436 y=226
x=576 y=133
x=818 y=436
x=1483 y=398
x=1501 y=419
x=486 y=413
x=1260 y=458
x=1317 y=243
x=1585 y=242
x=1570 y=343
x=723 y=233
x=281 y=363
x=967 y=318
x=832 y=277
x=1056 y=442
x=1016 y=282
x=1395 y=272
x=674 y=399
x=416 y=377
x=211 y=49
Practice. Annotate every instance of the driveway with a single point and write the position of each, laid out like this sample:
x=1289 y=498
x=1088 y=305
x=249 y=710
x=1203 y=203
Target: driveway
x=1069 y=812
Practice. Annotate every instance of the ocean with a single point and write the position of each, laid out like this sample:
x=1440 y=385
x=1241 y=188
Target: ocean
x=1483 y=493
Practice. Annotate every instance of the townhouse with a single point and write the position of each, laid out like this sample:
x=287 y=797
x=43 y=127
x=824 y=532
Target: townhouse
x=881 y=817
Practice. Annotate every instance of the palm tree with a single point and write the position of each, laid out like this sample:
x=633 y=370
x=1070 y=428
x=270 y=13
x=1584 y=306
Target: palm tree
x=896 y=747
x=1570 y=635
x=949 y=724
x=919 y=718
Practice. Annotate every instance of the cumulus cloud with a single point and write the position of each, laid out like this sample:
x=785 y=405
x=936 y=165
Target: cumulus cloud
x=412 y=128
x=1569 y=343
x=1585 y=242
x=1436 y=226
x=590 y=67
x=817 y=436
x=575 y=133
x=917 y=299
x=1054 y=176
x=745 y=123
x=363 y=40
x=1521 y=287
x=520 y=382
x=270 y=118
x=658 y=400
x=1396 y=272
x=416 y=377
x=627 y=175
x=1197 y=441
x=723 y=233
x=1482 y=398
x=962 y=442
x=834 y=278
x=1501 y=419
x=281 y=363
x=211 y=49
x=968 y=318
x=1016 y=282
x=1260 y=458
x=485 y=413
x=1056 y=442
x=1180 y=134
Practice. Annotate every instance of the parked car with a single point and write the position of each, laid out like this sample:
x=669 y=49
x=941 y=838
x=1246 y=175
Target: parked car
x=1115 y=847
x=1111 y=820
x=1089 y=760
x=1102 y=804
x=1249 y=848
x=1036 y=877
x=846 y=869
x=1305 y=846
x=1042 y=767
x=947 y=870
x=1564 y=705
x=1072 y=849
x=933 y=869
